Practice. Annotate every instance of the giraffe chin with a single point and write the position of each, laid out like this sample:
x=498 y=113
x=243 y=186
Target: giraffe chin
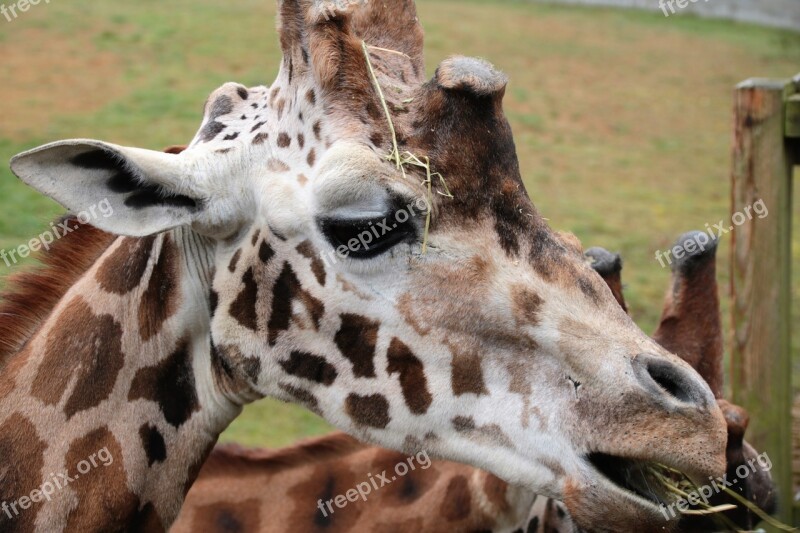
x=619 y=495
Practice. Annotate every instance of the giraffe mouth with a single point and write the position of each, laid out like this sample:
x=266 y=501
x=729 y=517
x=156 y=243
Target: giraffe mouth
x=642 y=479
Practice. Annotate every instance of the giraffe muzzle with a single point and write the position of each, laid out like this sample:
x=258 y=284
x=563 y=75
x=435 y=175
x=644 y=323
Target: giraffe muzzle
x=673 y=386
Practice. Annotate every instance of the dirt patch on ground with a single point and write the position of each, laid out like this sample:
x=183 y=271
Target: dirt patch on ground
x=45 y=76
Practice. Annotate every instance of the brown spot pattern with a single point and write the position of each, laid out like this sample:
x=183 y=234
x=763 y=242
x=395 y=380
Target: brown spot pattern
x=325 y=483
x=162 y=297
x=92 y=357
x=527 y=305
x=301 y=395
x=356 y=339
x=243 y=308
x=457 y=502
x=122 y=271
x=372 y=411
x=234 y=516
x=306 y=249
x=104 y=501
x=467 y=373
x=412 y=376
x=171 y=384
x=22 y=456
x=284 y=140
x=234 y=261
x=287 y=288
x=153 y=443
x=311 y=367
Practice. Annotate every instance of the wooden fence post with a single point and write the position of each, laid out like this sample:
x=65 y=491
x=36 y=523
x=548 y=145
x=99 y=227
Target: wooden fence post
x=761 y=366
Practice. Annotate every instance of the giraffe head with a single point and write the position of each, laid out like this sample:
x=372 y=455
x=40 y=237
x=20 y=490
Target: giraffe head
x=496 y=346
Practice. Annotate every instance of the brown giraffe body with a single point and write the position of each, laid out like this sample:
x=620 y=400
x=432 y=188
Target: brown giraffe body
x=499 y=347
x=258 y=491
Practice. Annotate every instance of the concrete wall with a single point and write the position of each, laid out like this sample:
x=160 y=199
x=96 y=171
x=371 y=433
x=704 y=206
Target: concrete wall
x=777 y=13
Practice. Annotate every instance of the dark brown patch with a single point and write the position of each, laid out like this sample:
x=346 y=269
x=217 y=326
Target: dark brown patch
x=234 y=261
x=287 y=288
x=312 y=157
x=104 y=501
x=356 y=339
x=408 y=488
x=457 y=502
x=153 y=443
x=284 y=141
x=243 y=308
x=301 y=140
x=162 y=297
x=235 y=516
x=318 y=130
x=32 y=294
x=122 y=271
x=527 y=305
x=325 y=483
x=317 y=267
x=265 y=252
x=22 y=456
x=255 y=237
x=466 y=373
x=311 y=367
x=372 y=411
x=491 y=434
x=147 y=521
x=93 y=356
x=171 y=384
x=412 y=376
x=311 y=97
x=213 y=302
x=376 y=139
x=261 y=138
x=301 y=395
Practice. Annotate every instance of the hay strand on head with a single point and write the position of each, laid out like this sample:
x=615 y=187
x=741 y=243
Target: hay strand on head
x=407 y=158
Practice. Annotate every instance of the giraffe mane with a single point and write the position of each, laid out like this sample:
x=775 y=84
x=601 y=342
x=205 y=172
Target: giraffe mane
x=32 y=295
x=228 y=458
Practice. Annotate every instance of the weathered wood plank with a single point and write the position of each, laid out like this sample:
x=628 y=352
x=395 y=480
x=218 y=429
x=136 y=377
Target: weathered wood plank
x=760 y=280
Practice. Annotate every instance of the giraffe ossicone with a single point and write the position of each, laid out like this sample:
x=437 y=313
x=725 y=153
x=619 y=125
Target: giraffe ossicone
x=217 y=295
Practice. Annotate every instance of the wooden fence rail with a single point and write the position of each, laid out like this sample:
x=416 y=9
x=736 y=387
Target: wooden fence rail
x=766 y=147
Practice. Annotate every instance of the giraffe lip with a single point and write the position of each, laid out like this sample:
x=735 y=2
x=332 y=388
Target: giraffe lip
x=633 y=476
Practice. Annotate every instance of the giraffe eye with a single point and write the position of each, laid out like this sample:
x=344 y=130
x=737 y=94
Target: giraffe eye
x=368 y=238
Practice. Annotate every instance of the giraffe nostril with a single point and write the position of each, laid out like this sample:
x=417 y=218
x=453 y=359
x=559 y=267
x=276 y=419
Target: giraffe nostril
x=667 y=380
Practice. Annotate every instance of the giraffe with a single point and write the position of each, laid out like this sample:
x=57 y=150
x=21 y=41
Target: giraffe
x=281 y=255
x=260 y=491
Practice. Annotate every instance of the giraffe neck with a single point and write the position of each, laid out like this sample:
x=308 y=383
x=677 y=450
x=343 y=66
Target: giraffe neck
x=111 y=407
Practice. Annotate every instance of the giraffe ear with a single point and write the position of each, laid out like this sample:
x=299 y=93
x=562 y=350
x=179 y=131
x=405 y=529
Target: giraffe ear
x=130 y=191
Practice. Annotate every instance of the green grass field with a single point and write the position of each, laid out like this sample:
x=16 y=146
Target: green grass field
x=622 y=119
